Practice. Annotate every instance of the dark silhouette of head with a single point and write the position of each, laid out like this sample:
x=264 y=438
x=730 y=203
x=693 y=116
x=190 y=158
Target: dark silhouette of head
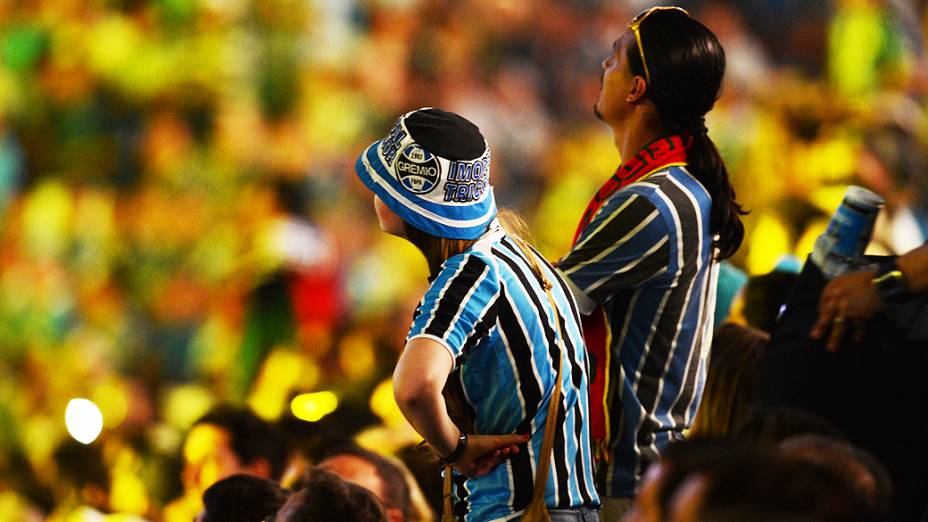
x=731 y=480
x=685 y=67
x=765 y=486
x=372 y=471
x=242 y=498
x=866 y=475
x=682 y=459
x=771 y=426
x=325 y=497
x=764 y=296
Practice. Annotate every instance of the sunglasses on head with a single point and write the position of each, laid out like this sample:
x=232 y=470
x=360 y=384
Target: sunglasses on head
x=635 y=26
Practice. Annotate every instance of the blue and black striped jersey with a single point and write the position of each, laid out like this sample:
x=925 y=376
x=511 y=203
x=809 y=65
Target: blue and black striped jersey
x=490 y=311
x=647 y=259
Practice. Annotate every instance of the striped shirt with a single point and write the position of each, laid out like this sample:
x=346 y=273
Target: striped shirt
x=490 y=311
x=646 y=258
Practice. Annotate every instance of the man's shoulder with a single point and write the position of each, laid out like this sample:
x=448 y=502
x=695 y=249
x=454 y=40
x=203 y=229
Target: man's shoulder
x=673 y=179
x=672 y=186
x=642 y=194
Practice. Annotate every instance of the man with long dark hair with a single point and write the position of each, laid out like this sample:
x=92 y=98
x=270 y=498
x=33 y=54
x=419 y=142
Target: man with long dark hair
x=644 y=260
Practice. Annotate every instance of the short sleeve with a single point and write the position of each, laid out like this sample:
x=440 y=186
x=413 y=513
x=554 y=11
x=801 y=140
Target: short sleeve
x=458 y=304
x=626 y=245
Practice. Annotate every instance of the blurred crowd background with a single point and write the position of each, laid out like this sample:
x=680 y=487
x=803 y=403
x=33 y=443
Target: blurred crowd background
x=181 y=226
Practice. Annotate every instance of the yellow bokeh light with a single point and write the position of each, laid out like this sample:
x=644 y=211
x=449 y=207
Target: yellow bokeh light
x=769 y=243
x=383 y=404
x=312 y=407
x=283 y=371
x=128 y=493
x=112 y=402
x=806 y=242
x=47 y=215
x=183 y=405
x=83 y=420
x=356 y=355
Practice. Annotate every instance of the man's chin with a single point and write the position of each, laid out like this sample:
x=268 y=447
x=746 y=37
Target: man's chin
x=596 y=112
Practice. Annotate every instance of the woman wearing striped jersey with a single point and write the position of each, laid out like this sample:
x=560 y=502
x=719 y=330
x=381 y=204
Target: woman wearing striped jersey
x=482 y=355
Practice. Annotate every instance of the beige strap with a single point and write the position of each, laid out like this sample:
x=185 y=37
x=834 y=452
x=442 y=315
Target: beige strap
x=447 y=509
x=536 y=511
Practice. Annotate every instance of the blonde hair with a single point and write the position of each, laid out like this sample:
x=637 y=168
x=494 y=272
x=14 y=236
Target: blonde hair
x=438 y=249
x=513 y=224
x=732 y=381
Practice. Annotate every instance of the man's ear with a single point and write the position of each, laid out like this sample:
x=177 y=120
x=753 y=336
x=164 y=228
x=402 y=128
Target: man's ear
x=639 y=87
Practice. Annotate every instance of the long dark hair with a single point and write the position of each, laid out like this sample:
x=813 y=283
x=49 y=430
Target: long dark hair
x=686 y=64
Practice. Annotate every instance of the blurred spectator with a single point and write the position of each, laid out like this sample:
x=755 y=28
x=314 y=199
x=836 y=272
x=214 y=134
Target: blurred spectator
x=83 y=474
x=299 y=303
x=731 y=389
x=764 y=296
x=224 y=442
x=662 y=479
x=800 y=372
x=728 y=480
x=892 y=163
x=324 y=497
x=383 y=477
x=770 y=426
x=241 y=498
x=867 y=476
x=851 y=299
x=730 y=284
x=764 y=486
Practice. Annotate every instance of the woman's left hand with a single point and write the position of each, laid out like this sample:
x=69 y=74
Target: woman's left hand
x=485 y=452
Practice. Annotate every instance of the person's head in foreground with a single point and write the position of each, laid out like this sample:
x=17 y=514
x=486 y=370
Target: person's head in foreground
x=324 y=497
x=663 y=76
x=382 y=476
x=868 y=476
x=767 y=488
x=242 y=498
x=725 y=480
x=678 y=461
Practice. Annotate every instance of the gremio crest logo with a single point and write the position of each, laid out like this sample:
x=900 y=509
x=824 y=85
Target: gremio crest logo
x=418 y=169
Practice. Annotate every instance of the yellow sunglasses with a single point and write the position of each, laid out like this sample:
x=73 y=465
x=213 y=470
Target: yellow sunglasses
x=635 y=25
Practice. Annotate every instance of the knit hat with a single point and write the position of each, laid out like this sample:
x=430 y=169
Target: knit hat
x=433 y=170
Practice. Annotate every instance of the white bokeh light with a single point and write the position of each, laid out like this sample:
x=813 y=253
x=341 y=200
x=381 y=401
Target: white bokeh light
x=84 y=420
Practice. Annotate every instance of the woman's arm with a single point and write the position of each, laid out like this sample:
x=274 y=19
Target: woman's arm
x=418 y=380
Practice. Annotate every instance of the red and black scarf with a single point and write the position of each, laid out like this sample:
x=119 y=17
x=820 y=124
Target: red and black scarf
x=658 y=154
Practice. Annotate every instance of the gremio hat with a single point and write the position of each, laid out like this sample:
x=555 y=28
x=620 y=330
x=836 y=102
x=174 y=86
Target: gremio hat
x=433 y=170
